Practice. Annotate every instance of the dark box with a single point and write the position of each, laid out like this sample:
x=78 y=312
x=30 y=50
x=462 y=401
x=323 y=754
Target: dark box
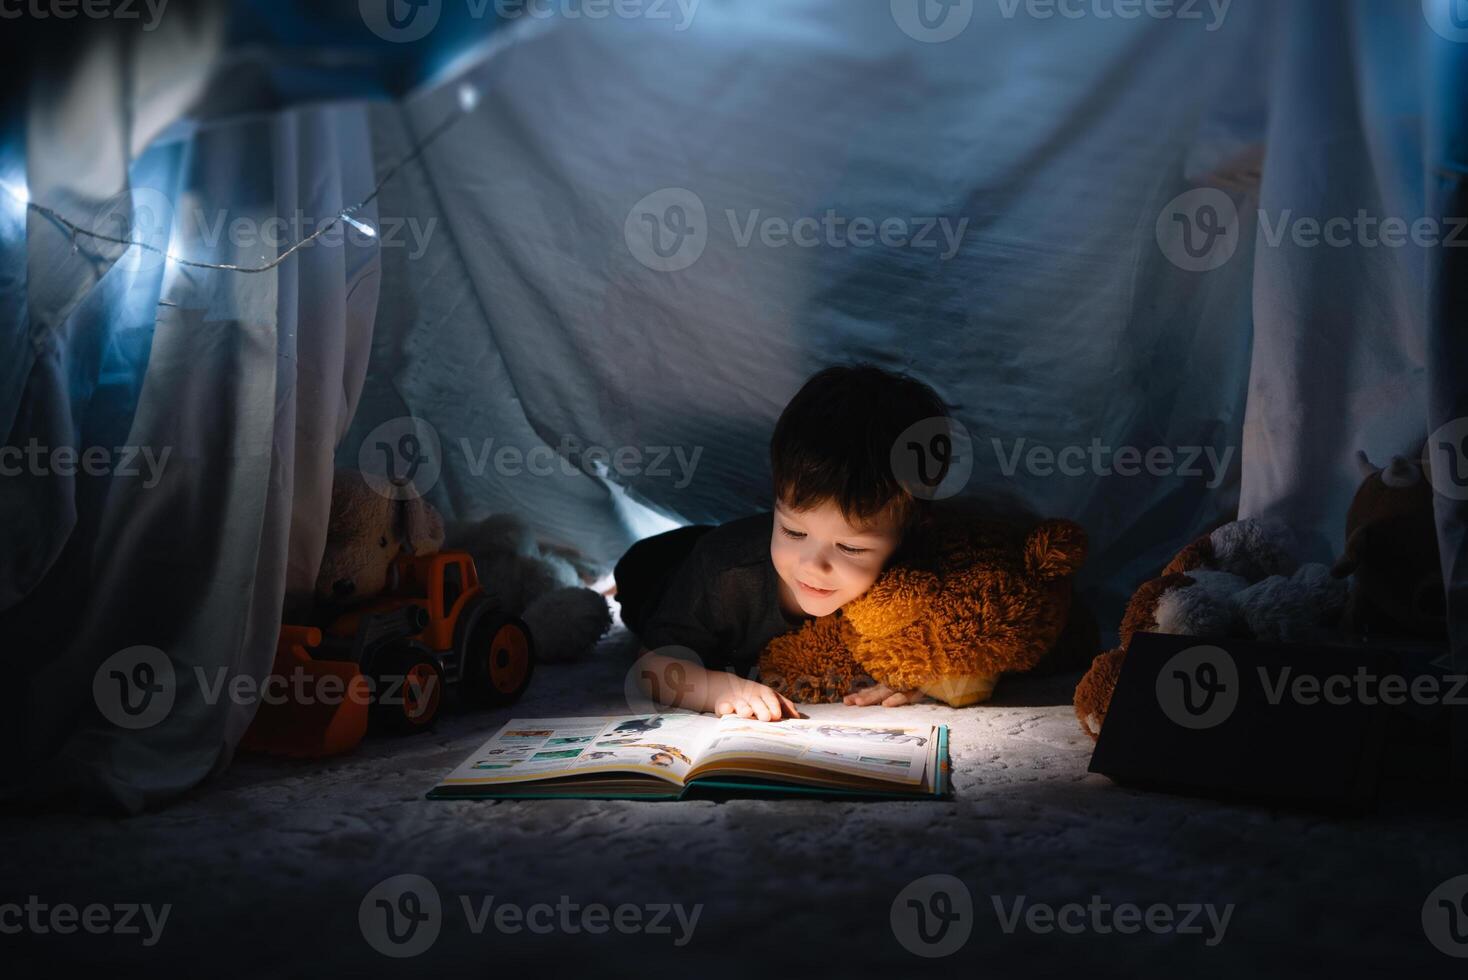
x=1301 y=723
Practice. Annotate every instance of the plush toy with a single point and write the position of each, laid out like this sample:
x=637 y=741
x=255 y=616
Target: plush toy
x=1240 y=580
x=985 y=599
x=1392 y=553
x=368 y=531
x=541 y=585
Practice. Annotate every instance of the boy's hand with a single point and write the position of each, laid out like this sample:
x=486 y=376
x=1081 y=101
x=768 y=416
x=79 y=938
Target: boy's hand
x=732 y=695
x=883 y=695
x=697 y=688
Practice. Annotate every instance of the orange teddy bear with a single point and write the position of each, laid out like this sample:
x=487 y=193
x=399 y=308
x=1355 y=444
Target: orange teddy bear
x=984 y=599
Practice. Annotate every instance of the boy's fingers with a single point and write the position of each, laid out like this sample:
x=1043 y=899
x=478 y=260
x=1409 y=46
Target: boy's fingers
x=791 y=710
x=762 y=702
x=742 y=708
x=896 y=700
x=761 y=707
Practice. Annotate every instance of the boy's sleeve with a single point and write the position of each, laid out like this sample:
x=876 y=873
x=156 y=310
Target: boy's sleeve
x=691 y=614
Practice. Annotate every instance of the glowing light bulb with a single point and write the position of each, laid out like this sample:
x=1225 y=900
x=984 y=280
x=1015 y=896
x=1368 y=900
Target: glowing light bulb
x=364 y=229
x=468 y=97
x=17 y=191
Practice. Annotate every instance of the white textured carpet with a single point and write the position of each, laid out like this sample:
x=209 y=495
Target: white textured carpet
x=266 y=865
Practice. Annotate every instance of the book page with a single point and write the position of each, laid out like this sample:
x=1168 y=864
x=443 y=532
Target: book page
x=889 y=753
x=551 y=748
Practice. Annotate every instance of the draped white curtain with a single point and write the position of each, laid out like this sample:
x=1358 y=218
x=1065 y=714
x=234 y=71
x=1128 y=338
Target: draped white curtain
x=233 y=388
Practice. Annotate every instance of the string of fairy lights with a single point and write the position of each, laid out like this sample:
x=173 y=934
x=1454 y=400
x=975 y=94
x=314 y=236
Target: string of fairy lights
x=468 y=99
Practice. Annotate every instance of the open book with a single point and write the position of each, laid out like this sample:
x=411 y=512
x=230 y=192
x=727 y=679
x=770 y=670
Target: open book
x=669 y=756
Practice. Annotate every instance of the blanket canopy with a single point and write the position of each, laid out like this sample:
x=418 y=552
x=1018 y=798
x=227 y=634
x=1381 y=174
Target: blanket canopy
x=1171 y=270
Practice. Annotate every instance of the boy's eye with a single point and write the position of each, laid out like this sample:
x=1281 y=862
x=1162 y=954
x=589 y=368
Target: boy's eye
x=800 y=535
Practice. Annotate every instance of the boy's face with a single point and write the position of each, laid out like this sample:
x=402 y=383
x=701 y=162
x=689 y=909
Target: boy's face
x=823 y=562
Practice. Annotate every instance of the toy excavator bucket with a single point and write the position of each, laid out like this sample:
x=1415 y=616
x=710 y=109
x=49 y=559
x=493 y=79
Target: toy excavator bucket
x=311 y=708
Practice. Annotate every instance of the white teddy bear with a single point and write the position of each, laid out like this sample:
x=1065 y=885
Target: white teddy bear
x=1251 y=584
x=543 y=587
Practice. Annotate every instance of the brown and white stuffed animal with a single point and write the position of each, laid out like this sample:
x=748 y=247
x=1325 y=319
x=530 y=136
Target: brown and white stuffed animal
x=1241 y=580
x=1392 y=553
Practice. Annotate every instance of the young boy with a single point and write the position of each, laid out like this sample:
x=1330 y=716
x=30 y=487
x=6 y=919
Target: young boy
x=840 y=515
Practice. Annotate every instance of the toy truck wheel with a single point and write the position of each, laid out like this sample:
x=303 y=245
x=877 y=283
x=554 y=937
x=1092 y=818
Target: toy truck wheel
x=499 y=657
x=407 y=690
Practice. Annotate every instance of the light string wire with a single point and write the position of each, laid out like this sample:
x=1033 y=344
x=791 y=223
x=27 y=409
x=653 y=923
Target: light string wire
x=468 y=99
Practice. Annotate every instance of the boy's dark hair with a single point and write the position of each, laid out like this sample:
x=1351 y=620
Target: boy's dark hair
x=834 y=442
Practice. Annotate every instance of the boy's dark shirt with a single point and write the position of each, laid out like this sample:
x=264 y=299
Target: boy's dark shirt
x=723 y=602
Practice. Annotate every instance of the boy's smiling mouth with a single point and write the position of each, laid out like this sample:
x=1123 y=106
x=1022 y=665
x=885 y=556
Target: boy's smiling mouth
x=811 y=590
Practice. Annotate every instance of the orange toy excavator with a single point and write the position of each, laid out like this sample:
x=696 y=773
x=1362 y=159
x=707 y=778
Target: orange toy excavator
x=300 y=727
x=391 y=659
